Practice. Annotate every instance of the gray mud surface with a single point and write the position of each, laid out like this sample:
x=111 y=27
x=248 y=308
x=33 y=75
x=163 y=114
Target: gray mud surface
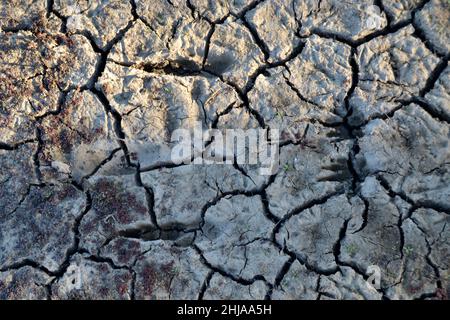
x=91 y=206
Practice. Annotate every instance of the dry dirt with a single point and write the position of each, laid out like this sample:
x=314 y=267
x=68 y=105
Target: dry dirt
x=92 y=207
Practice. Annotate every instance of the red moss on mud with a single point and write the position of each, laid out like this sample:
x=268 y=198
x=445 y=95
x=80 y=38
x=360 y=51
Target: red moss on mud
x=113 y=204
x=126 y=250
x=154 y=276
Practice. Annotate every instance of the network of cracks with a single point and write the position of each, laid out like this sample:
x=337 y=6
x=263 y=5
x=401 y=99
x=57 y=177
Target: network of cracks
x=91 y=205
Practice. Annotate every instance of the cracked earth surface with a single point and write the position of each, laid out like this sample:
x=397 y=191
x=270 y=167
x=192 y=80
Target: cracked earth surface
x=91 y=206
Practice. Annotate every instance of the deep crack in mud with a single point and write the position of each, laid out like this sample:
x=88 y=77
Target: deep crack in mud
x=92 y=206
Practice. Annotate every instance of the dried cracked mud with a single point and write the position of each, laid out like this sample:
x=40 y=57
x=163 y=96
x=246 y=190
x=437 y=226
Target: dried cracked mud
x=91 y=206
